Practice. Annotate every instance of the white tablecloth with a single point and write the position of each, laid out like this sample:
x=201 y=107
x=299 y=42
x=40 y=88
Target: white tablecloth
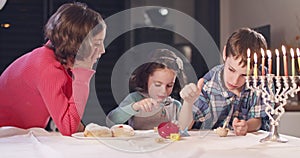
x=37 y=142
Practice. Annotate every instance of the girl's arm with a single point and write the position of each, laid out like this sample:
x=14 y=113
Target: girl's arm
x=189 y=94
x=124 y=112
x=185 y=116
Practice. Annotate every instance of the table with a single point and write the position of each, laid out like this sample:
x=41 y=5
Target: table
x=36 y=142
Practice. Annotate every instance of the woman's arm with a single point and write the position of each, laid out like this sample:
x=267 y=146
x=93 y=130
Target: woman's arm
x=64 y=97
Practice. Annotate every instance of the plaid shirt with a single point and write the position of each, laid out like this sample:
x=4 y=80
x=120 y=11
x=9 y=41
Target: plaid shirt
x=217 y=103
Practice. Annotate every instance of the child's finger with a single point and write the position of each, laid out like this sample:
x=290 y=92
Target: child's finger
x=150 y=104
x=200 y=84
x=242 y=123
x=192 y=87
x=148 y=107
x=142 y=107
x=235 y=121
x=155 y=103
x=190 y=90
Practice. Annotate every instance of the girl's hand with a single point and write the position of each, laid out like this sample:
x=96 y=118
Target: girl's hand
x=191 y=92
x=145 y=105
x=240 y=127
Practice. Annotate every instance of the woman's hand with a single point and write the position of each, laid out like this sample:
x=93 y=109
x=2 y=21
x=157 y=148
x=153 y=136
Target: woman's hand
x=80 y=127
x=89 y=60
x=145 y=105
x=91 y=51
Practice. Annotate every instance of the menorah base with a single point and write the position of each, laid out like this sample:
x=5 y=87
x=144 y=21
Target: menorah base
x=273 y=136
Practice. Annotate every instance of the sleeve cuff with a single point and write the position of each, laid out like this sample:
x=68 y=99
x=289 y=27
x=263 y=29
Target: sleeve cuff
x=128 y=109
x=83 y=74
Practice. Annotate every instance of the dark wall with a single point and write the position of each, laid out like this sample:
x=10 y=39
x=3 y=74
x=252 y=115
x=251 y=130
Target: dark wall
x=27 y=19
x=207 y=12
x=25 y=31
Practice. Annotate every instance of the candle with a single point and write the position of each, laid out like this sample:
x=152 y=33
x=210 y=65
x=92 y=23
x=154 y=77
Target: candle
x=269 y=61
x=262 y=62
x=284 y=61
x=298 y=55
x=255 y=65
x=277 y=62
x=248 y=62
x=293 y=61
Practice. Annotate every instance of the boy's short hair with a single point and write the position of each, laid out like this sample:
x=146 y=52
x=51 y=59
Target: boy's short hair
x=242 y=39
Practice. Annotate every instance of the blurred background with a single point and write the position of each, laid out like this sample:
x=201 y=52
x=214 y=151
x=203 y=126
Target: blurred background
x=22 y=30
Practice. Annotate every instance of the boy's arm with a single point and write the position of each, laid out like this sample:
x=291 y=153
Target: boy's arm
x=257 y=117
x=241 y=127
x=253 y=124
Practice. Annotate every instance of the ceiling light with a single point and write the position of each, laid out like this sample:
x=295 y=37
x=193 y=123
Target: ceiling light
x=5 y=25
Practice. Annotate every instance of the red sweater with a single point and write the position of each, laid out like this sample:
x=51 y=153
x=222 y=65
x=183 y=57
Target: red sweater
x=36 y=86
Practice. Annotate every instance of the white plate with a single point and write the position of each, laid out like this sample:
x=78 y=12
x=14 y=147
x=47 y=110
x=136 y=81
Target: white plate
x=138 y=134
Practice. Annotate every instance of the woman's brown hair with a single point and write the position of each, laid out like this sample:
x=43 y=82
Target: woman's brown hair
x=68 y=27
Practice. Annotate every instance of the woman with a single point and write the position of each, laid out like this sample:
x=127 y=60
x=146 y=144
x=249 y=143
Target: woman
x=53 y=80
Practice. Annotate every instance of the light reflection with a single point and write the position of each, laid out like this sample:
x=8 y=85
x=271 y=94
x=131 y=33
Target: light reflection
x=5 y=25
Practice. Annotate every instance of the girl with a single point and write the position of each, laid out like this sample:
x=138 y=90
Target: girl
x=153 y=83
x=50 y=81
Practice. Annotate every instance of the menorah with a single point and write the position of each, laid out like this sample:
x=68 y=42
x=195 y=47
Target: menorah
x=274 y=97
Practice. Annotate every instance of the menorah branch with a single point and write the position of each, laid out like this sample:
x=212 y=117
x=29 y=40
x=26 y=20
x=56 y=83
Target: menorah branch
x=264 y=86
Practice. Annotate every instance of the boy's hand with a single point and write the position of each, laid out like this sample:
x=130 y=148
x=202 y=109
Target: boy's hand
x=240 y=127
x=145 y=105
x=191 y=92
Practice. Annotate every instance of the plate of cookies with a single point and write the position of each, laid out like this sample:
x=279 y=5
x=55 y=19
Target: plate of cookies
x=117 y=132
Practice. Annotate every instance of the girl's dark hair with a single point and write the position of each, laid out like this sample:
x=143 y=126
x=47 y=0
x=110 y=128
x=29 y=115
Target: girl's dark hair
x=159 y=59
x=241 y=40
x=69 y=26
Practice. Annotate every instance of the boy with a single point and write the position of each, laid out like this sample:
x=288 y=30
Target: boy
x=224 y=97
